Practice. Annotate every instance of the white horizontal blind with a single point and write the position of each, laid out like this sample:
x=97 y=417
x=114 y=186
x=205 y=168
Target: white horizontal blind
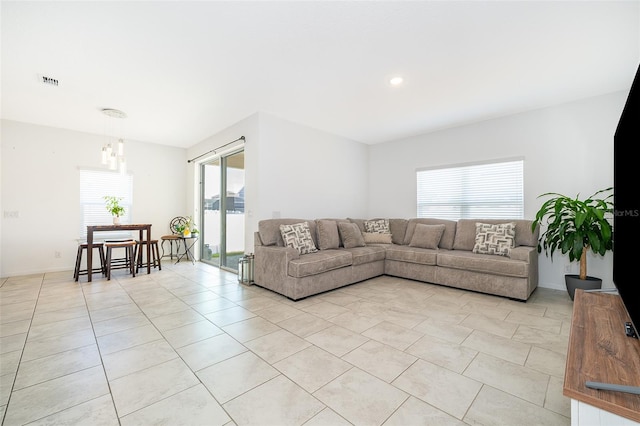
x=94 y=186
x=488 y=190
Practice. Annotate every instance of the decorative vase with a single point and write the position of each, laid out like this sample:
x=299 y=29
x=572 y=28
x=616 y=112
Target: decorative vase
x=116 y=220
x=186 y=233
x=573 y=282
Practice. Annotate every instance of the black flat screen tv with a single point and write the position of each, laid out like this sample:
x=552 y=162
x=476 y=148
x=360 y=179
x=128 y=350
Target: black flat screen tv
x=626 y=199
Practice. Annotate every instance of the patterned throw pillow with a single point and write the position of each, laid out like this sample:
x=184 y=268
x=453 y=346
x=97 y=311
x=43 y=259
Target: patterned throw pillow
x=495 y=238
x=298 y=236
x=380 y=226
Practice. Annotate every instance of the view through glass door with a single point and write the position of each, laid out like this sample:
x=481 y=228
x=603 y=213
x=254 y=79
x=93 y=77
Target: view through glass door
x=222 y=233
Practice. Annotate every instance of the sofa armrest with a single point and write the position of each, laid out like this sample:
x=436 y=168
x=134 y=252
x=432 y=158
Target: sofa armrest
x=529 y=255
x=271 y=264
x=524 y=253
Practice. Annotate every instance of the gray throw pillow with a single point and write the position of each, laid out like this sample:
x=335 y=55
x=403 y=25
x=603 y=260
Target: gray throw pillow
x=427 y=236
x=328 y=237
x=350 y=235
x=298 y=236
x=496 y=239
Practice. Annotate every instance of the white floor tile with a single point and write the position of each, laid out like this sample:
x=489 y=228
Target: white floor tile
x=190 y=345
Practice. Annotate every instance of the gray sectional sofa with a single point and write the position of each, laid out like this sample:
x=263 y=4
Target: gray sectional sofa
x=412 y=251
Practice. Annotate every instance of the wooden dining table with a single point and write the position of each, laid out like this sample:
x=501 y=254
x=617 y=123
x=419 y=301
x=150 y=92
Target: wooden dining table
x=144 y=236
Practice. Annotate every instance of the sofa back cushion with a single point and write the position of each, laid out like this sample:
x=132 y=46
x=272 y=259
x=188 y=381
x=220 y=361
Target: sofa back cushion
x=328 y=237
x=465 y=238
x=398 y=230
x=359 y=222
x=427 y=236
x=269 y=230
x=350 y=235
x=446 y=241
x=337 y=221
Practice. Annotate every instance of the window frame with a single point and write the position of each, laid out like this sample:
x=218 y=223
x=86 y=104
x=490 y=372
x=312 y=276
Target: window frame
x=456 y=187
x=92 y=204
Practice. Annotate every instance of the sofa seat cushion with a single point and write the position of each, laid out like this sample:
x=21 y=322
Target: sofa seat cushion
x=319 y=262
x=367 y=254
x=412 y=254
x=486 y=263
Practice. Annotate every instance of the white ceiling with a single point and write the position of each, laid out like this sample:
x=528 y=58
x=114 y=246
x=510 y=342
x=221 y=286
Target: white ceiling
x=183 y=71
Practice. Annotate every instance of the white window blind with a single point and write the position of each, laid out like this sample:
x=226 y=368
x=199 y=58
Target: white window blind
x=488 y=190
x=94 y=185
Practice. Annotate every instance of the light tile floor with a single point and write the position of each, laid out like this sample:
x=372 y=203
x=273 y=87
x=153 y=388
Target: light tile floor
x=188 y=345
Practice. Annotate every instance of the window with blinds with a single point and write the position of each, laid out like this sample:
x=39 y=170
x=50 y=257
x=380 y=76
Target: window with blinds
x=94 y=185
x=483 y=190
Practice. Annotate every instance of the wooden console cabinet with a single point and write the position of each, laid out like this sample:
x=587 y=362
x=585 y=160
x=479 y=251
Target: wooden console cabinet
x=599 y=351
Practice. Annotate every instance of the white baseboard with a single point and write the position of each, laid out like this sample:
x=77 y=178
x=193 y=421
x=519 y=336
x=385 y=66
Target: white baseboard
x=553 y=286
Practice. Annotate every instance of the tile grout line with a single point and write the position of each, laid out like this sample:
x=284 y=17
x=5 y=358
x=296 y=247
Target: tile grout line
x=104 y=371
x=178 y=356
x=197 y=281
x=24 y=345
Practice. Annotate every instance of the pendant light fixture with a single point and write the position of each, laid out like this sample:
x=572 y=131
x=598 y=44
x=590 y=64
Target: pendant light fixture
x=113 y=149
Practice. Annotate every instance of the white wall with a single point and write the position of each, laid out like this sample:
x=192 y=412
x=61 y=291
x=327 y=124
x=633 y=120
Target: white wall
x=294 y=171
x=249 y=128
x=308 y=173
x=40 y=181
x=566 y=149
x=290 y=168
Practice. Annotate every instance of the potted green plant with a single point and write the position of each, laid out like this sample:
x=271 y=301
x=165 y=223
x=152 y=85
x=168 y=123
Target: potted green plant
x=187 y=228
x=114 y=207
x=574 y=227
x=192 y=226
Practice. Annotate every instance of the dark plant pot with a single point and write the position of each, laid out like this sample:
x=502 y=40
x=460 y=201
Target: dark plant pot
x=573 y=282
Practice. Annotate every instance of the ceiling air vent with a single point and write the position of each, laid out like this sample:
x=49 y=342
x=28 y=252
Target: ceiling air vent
x=49 y=81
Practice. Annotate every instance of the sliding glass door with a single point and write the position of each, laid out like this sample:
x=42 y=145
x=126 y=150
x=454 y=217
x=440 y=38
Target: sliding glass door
x=222 y=234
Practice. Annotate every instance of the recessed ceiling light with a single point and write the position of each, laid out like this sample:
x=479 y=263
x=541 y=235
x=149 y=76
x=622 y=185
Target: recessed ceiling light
x=396 y=81
x=115 y=113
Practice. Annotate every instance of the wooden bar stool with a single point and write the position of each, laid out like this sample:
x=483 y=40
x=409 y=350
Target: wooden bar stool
x=173 y=238
x=128 y=262
x=81 y=248
x=120 y=262
x=155 y=254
